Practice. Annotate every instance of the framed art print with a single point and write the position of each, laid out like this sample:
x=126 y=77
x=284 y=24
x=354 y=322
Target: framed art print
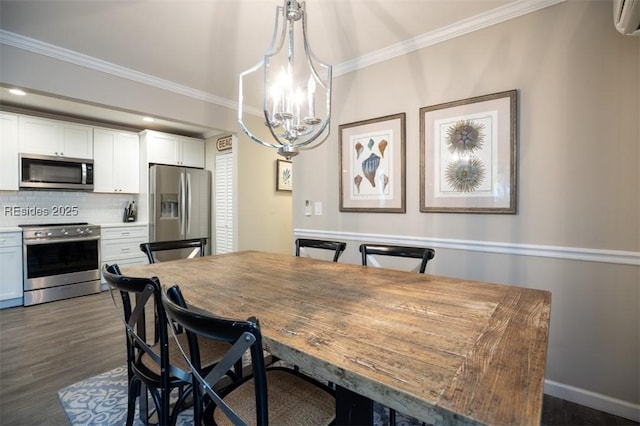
x=468 y=155
x=284 y=175
x=372 y=165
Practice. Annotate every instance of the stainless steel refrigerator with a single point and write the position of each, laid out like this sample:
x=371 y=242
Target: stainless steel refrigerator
x=179 y=206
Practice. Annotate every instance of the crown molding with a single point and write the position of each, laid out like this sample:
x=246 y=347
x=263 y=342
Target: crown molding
x=478 y=22
x=66 y=55
x=457 y=29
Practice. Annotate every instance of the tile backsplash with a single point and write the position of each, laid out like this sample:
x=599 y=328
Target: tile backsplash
x=35 y=207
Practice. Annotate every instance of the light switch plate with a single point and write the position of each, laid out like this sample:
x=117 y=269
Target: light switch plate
x=318 y=208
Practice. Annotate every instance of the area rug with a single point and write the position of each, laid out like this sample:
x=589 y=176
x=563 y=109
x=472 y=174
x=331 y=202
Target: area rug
x=102 y=401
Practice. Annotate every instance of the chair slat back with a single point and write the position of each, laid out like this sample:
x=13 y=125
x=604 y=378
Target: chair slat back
x=152 y=248
x=242 y=335
x=336 y=246
x=145 y=292
x=423 y=253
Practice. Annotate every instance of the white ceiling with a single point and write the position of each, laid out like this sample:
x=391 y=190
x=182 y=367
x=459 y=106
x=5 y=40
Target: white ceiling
x=204 y=44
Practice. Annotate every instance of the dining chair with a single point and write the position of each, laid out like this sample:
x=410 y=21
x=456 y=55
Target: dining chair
x=336 y=246
x=423 y=253
x=196 y=245
x=275 y=395
x=155 y=362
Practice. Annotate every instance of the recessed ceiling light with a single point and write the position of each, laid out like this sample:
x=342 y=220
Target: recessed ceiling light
x=148 y=119
x=17 y=92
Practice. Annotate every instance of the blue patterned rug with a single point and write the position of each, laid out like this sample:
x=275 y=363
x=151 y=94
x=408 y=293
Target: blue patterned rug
x=102 y=400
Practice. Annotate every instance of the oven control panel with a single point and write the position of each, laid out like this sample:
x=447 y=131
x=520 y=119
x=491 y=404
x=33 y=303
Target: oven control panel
x=72 y=230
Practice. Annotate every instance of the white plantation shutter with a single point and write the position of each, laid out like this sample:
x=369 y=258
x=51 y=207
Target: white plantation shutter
x=224 y=204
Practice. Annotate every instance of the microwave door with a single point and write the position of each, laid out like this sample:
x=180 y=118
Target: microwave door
x=45 y=172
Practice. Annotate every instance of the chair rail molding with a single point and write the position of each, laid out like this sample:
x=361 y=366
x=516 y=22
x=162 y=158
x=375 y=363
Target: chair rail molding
x=569 y=253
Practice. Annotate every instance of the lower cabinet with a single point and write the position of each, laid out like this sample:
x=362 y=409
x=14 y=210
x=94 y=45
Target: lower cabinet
x=121 y=245
x=11 y=266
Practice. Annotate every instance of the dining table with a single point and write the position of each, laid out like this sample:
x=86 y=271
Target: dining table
x=440 y=349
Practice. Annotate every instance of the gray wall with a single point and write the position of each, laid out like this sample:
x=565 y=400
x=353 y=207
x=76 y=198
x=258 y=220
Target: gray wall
x=578 y=191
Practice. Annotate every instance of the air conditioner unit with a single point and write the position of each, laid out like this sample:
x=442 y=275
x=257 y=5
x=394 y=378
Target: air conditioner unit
x=626 y=16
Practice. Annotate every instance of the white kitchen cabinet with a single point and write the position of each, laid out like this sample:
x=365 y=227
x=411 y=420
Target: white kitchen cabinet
x=192 y=152
x=9 y=173
x=11 y=267
x=52 y=137
x=115 y=167
x=121 y=245
x=165 y=148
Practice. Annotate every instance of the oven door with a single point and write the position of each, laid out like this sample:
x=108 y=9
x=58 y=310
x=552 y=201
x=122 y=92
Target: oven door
x=51 y=263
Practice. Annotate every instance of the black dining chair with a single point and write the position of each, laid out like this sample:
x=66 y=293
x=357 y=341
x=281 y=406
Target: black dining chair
x=156 y=361
x=423 y=253
x=275 y=395
x=187 y=248
x=336 y=246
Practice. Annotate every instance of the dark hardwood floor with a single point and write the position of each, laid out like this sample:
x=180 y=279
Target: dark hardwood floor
x=44 y=348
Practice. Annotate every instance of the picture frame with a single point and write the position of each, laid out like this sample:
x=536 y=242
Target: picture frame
x=284 y=175
x=468 y=158
x=372 y=165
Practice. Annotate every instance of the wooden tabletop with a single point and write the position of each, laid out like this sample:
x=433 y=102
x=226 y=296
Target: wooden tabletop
x=443 y=350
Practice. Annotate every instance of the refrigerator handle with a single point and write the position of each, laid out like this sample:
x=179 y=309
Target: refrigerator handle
x=188 y=215
x=182 y=198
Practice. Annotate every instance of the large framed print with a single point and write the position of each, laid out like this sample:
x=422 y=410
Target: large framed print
x=372 y=165
x=468 y=155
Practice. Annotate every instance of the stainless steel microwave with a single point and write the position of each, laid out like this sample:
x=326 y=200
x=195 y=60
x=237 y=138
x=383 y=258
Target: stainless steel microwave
x=49 y=172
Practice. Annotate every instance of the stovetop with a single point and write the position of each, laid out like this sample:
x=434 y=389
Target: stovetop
x=52 y=225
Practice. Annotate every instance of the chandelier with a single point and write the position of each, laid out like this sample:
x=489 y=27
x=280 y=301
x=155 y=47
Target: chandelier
x=296 y=97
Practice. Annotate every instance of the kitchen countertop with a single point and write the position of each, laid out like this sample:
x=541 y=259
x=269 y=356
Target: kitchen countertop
x=119 y=224
x=102 y=225
x=10 y=229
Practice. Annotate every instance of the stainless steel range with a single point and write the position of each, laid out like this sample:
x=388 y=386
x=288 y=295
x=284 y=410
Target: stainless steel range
x=60 y=261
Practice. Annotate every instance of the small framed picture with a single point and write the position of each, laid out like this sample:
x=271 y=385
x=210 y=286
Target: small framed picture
x=468 y=155
x=372 y=160
x=284 y=175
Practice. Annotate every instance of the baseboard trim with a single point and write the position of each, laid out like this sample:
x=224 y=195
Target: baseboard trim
x=594 y=400
x=10 y=303
x=557 y=252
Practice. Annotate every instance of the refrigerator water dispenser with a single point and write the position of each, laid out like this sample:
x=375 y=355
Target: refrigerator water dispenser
x=169 y=206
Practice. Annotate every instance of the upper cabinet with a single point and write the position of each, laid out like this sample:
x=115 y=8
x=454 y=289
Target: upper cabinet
x=58 y=138
x=192 y=152
x=165 y=148
x=115 y=166
x=9 y=174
